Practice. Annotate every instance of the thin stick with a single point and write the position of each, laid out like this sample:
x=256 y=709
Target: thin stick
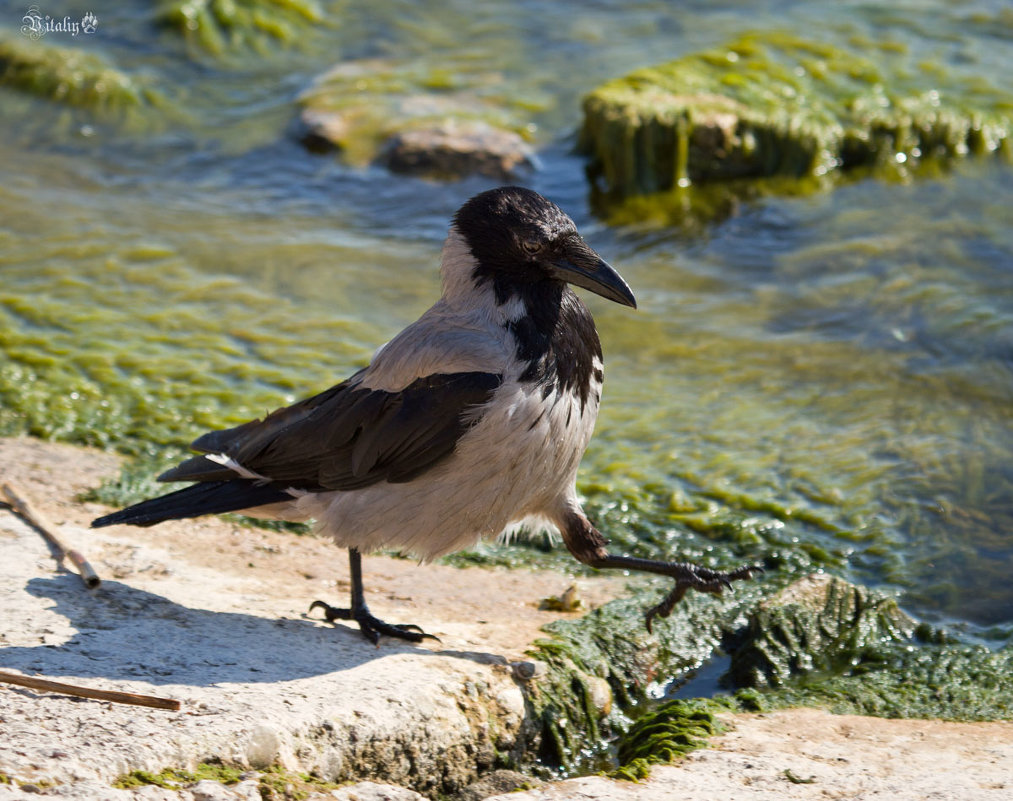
x=25 y=510
x=86 y=692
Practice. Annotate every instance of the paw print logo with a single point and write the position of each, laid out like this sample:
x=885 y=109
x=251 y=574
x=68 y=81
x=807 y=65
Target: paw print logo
x=89 y=22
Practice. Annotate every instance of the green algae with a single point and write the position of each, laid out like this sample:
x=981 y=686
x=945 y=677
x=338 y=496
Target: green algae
x=775 y=106
x=278 y=784
x=665 y=734
x=129 y=385
x=176 y=779
x=71 y=76
x=222 y=26
x=274 y=783
x=952 y=681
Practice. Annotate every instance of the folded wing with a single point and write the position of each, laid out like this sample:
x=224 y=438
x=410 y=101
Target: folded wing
x=347 y=437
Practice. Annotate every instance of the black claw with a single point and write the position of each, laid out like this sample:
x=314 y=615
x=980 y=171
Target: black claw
x=701 y=579
x=372 y=627
x=331 y=613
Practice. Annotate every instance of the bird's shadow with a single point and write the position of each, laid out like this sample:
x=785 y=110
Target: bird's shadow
x=126 y=633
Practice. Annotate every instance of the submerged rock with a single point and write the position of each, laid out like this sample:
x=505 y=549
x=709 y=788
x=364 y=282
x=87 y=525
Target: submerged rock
x=452 y=150
x=772 y=105
x=69 y=75
x=409 y=118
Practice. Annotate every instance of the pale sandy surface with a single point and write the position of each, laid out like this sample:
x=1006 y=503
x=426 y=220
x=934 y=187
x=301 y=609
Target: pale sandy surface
x=213 y=614
x=829 y=757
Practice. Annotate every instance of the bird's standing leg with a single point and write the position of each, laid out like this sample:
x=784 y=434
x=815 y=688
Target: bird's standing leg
x=370 y=626
x=587 y=544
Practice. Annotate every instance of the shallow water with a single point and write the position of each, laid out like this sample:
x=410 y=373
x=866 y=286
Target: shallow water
x=823 y=381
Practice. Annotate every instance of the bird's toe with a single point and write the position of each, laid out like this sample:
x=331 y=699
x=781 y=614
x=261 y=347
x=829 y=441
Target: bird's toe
x=371 y=626
x=701 y=579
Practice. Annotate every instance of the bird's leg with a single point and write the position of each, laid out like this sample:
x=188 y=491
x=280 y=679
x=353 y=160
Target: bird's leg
x=370 y=626
x=587 y=544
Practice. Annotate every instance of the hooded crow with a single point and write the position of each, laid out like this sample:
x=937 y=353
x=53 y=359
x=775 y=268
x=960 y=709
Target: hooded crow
x=471 y=420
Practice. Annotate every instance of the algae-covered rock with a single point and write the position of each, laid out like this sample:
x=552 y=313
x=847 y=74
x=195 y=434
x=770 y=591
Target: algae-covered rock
x=818 y=623
x=218 y=26
x=69 y=75
x=951 y=681
x=412 y=118
x=773 y=105
x=606 y=665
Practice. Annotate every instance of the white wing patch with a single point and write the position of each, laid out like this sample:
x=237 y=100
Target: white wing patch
x=227 y=461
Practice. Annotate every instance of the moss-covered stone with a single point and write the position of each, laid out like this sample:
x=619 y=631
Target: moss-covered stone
x=219 y=26
x=367 y=108
x=819 y=641
x=601 y=668
x=818 y=623
x=69 y=75
x=773 y=105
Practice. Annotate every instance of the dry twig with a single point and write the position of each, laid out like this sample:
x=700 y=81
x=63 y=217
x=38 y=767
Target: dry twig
x=135 y=699
x=34 y=517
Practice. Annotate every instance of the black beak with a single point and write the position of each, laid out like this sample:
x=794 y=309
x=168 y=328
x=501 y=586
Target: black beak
x=579 y=265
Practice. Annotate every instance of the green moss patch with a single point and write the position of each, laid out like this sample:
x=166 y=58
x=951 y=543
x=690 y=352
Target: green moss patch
x=274 y=784
x=174 y=779
x=775 y=105
x=602 y=668
x=665 y=734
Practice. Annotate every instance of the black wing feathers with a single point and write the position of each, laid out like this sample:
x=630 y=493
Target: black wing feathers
x=348 y=437
x=208 y=498
x=420 y=428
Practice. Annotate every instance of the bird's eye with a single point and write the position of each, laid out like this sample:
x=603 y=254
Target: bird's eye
x=531 y=247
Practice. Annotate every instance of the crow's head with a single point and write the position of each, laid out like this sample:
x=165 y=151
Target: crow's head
x=521 y=241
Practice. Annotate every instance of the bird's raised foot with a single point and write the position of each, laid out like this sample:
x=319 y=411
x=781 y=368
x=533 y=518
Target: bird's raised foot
x=372 y=627
x=702 y=579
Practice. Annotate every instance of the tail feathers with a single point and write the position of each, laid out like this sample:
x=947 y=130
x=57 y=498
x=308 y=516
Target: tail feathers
x=212 y=497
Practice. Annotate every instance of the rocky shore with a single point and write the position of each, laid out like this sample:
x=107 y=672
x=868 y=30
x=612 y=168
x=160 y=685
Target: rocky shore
x=277 y=705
